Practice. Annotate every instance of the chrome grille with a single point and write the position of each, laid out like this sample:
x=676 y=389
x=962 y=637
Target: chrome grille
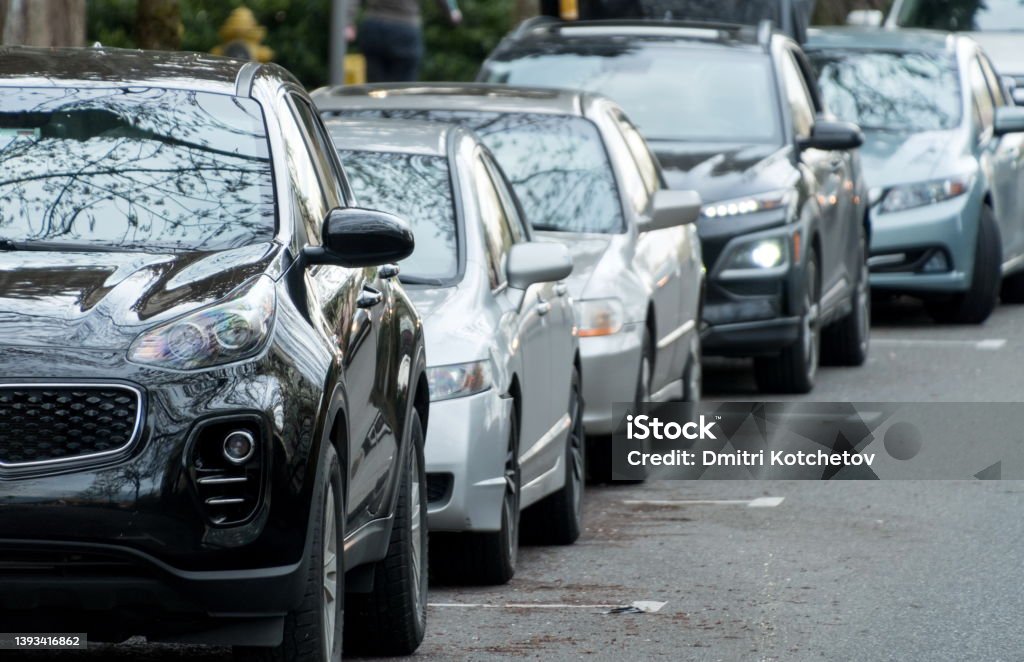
x=43 y=424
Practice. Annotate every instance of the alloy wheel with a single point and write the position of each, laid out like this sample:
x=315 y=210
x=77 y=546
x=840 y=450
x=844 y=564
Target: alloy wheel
x=330 y=573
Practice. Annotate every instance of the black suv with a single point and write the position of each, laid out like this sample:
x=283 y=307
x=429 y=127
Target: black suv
x=734 y=113
x=213 y=398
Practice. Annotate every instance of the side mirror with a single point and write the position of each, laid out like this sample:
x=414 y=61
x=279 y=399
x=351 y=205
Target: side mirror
x=865 y=18
x=1018 y=95
x=671 y=209
x=1009 y=119
x=830 y=135
x=361 y=238
x=537 y=262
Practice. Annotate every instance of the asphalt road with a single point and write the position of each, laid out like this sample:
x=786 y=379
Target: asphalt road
x=833 y=571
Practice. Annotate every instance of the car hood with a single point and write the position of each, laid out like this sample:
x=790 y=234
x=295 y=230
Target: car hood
x=1006 y=49
x=721 y=171
x=897 y=157
x=103 y=300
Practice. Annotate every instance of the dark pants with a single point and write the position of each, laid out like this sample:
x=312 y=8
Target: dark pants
x=393 y=50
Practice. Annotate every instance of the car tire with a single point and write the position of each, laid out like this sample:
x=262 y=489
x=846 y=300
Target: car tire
x=693 y=376
x=391 y=619
x=557 y=520
x=484 y=558
x=795 y=367
x=976 y=304
x=846 y=343
x=313 y=632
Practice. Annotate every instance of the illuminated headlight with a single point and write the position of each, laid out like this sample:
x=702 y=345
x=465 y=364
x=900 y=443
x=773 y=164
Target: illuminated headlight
x=458 y=381
x=226 y=332
x=911 y=196
x=599 y=317
x=751 y=205
x=761 y=254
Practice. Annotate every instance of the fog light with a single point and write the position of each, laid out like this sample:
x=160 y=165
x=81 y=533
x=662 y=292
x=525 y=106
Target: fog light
x=937 y=263
x=239 y=447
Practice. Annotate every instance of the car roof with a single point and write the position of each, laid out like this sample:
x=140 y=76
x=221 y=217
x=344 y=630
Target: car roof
x=866 y=38
x=106 y=67
x=385 y=135
x=450 y=96
x=612 y=33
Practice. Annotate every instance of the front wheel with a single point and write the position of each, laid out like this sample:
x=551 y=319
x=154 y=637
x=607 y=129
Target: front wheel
x=313 y=632
x=391 y=619
x=846 y=342
x=794 y=369
x=976 y=304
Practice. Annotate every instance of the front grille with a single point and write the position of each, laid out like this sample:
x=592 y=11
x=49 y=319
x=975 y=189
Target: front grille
x=44 y=424
x=54 y=563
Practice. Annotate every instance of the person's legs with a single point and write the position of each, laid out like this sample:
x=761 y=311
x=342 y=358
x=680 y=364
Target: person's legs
x=393 y=50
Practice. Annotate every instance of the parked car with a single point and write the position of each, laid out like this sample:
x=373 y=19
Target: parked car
x=943 y=160
x=506 y=408
x=587 y=180
x=734 y=113
x=996 y=25
x=213 y=400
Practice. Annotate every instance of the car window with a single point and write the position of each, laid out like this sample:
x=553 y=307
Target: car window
x=417 y=188
x=639 y=150
x=516 y=223
x=995 y=85
x=798 y=98
x=890 y=90
x=497 y=234
x=137 y=168
x=983 y=102
x=322 y=151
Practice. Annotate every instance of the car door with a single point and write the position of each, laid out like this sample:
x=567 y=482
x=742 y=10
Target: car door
x=1007 y=165
x=526 y=315
x=353 y=302
x=831 y=171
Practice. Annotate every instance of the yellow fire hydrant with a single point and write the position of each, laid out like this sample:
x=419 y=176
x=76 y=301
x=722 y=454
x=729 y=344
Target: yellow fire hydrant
x=241 y=37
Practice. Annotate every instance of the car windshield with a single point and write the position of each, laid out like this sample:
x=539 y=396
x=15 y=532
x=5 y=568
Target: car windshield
x=670 y=93
x=896 y=91
x=417 y=188
x=557 y=165
x=133 y=169
x=963 y=15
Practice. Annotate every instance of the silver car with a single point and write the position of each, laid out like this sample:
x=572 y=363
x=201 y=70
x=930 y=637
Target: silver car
x=506 y=429
x=586 y=179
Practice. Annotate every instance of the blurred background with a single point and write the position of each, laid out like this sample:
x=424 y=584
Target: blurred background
x=294 y=33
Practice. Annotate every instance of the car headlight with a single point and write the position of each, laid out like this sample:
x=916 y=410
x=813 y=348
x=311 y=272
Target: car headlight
x=226 y=332
x=460 y=380
x=910 y=196
x=599 y=317
x=749 y=205
x=760 y=254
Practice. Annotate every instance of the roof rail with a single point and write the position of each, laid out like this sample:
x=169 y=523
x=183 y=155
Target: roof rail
x=765 y=29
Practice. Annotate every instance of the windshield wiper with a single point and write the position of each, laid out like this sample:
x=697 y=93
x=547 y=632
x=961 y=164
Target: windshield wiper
x=60 y=247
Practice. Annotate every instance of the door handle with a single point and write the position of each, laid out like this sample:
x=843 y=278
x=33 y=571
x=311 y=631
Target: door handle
x=543 y=308
x=561 y=289
x=369 y=297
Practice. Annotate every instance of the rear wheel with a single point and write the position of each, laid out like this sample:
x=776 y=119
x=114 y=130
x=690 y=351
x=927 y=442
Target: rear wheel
x=313 y=632
x=976 y=304
x=391 y=619
x=557 y=520
x=794 y=369
x=485 y=558
x=846 y=342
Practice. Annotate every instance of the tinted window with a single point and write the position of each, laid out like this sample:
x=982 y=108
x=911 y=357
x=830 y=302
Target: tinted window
x=557 y=165
x=956 y=15
x=671 y=94
x=418 y=189
x=146 y=169
x=890 y=90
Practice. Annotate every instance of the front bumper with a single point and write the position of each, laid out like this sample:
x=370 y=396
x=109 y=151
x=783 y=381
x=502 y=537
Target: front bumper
x=610 y=367
x=950 y=227
x=465 y=453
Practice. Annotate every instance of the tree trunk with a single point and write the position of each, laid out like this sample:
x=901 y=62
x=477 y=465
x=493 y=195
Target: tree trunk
x=158 y=25
x=42 y=22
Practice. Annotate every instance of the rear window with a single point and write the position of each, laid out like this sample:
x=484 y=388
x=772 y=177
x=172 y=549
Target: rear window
x=134 y=168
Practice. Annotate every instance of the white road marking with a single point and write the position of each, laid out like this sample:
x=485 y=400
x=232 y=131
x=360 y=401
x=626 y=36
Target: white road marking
x=989 y=344
x=646 y=606
x=759 y=502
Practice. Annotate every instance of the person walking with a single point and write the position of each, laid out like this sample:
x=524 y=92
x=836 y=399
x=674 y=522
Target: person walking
x=390 y=36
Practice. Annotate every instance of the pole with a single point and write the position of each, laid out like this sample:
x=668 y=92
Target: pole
x=336 y=54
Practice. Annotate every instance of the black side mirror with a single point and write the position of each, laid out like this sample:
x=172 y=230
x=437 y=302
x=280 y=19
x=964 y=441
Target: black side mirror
x=362 y=238
x=830 y=135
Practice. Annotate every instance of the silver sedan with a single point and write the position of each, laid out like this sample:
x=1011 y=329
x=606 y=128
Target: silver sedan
x=505 y=430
